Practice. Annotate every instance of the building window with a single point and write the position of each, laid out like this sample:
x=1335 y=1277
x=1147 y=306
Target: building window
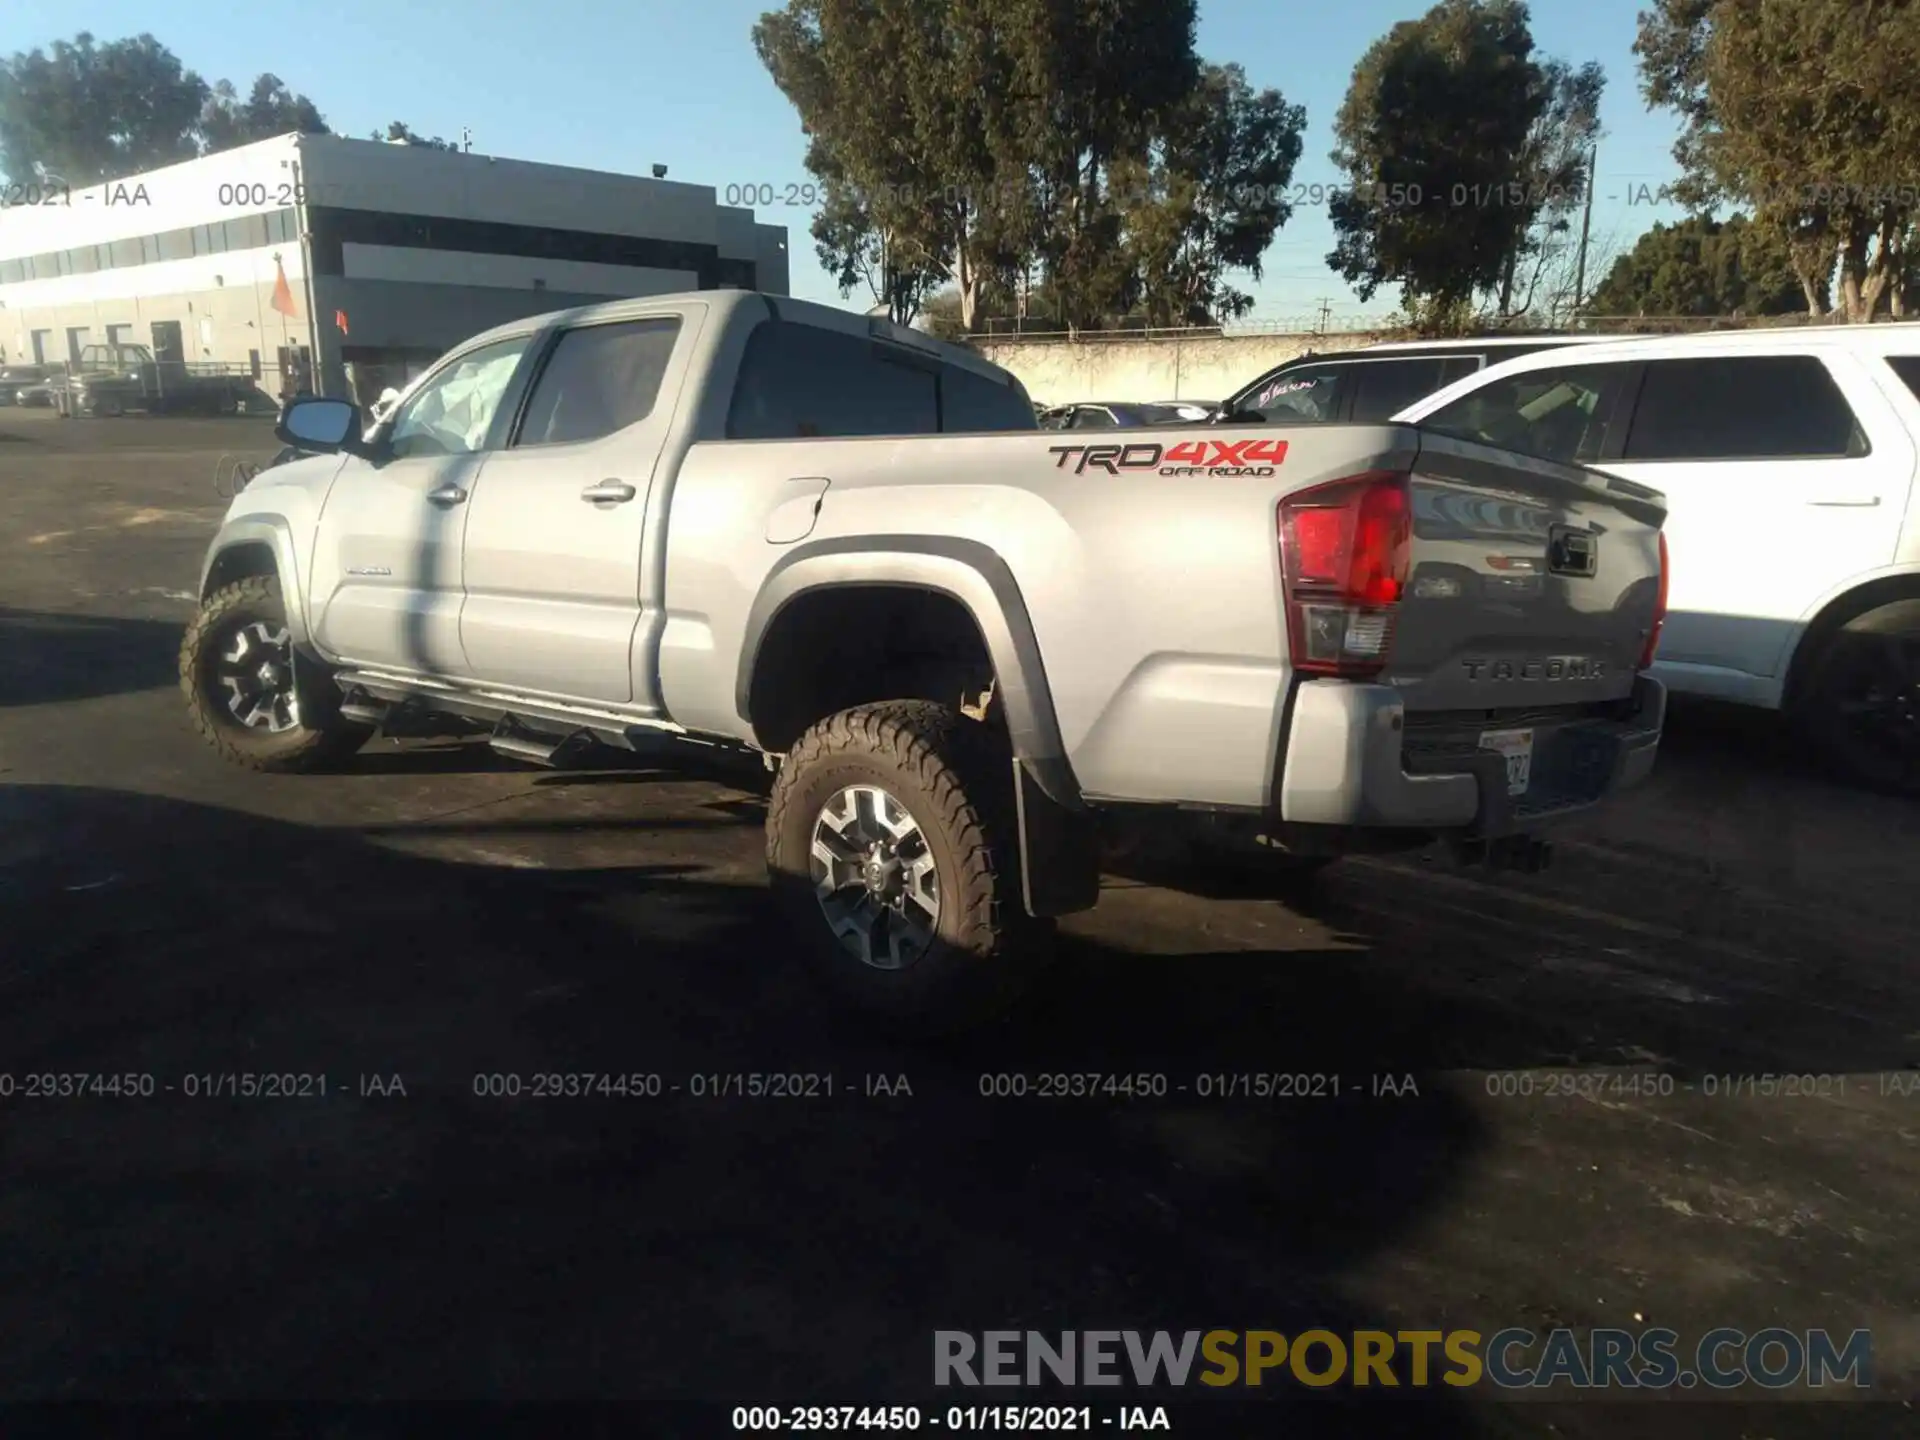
x=12 y=272
x=247 y=232
x=174 y=244
x=126 y=252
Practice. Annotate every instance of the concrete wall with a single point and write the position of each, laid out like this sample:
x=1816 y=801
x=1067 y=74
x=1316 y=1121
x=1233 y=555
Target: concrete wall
x=1061 y=372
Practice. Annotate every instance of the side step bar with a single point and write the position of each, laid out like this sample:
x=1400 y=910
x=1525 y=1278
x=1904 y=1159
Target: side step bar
x=515 y=741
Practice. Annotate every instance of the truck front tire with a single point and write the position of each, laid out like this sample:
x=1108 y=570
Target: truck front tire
x=893 y=853
x=251 y=697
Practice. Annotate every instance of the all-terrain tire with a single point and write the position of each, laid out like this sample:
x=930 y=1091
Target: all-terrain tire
x=955 y=776
x=321 y=739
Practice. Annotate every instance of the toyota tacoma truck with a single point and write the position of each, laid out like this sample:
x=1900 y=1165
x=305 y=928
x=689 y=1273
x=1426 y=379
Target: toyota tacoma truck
x=965 y=646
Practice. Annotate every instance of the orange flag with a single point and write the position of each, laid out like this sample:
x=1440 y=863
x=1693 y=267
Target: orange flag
x=282 y=292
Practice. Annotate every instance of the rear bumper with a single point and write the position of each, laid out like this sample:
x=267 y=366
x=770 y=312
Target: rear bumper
x=1348 y=763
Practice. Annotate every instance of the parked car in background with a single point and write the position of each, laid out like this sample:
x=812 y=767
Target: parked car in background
x=39 y=395
x=15 y=378
x=1788 y=460
x=1375 y=382
x=115 y=379
x=1125 y=414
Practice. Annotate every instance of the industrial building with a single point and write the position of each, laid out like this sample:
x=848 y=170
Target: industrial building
x=343 y=266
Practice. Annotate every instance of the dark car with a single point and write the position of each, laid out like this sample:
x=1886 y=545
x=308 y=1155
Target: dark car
x=1123 y=414
x=16 y=378
x=1376 y=382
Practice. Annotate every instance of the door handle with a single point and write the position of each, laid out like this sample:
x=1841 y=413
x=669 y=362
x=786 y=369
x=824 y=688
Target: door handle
x=447 y=495
x=1854 y=502
x=617 y=491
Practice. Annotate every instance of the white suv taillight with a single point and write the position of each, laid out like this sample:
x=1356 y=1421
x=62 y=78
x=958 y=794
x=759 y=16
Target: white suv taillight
x=1345 y=549
x=1659 y=608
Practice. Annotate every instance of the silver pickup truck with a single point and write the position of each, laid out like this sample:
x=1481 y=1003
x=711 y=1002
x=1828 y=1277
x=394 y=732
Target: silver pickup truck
x=959 y=640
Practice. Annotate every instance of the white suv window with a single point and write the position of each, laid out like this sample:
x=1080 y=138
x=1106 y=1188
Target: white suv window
x=451 y=413
x=1558 y=413
x=1742 y=407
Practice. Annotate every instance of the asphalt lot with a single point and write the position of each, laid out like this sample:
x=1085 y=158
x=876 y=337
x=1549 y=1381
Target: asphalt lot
x=438 y=914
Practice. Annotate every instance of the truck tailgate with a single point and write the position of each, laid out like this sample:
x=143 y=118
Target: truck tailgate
x=1532 y=588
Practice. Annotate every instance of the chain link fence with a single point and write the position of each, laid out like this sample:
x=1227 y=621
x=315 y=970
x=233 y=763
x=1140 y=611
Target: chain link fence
x=1045 y=330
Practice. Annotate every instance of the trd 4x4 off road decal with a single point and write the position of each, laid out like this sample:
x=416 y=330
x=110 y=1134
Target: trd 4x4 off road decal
x=1189 y=457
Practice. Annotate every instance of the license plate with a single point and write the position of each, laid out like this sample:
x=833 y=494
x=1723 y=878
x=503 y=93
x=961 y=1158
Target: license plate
x=1516 y=747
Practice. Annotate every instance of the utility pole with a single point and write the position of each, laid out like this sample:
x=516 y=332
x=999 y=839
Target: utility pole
x=1326 y=312
x=466 y=141
x=1586 y=226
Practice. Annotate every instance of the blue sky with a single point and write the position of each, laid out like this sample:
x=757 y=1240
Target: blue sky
x=622 y=84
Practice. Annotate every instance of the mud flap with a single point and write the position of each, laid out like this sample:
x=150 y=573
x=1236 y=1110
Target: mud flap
x=1059 y=850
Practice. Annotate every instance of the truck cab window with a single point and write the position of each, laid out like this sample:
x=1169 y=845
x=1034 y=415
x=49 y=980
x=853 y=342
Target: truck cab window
x=599 y=379
x=452 y=413
x=806 y=380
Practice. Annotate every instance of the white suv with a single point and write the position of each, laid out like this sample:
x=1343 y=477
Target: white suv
x=1788 y=460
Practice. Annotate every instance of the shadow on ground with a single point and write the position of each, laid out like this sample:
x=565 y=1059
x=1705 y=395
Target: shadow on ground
x=47 y=658
x=449 y=1244
x=446 y=1243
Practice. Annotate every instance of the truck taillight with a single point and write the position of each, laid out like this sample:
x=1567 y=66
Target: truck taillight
x=1345 y=549
x=1659 y=608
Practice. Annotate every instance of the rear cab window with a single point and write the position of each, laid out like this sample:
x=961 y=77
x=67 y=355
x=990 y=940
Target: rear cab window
x=805 y=381
x=1742 y=407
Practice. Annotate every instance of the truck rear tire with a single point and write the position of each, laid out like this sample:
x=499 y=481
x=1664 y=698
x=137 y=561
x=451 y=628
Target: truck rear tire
x=894 y=856
x=1861 y=705
x=250 y=696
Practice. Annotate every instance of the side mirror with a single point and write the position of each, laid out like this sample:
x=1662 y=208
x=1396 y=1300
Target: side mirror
x=319 y=425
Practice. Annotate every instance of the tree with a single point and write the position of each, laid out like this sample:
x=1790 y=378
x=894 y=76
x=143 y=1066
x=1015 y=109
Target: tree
x=903 y=103
x=1806 y=111
x=1456 y=144
x=1702 y=266
x=976 y=136
x=857 y=251
x=1552 y=174
x=1209 y=197
x=85 y=112
x=270 y=109
x=398 y=132
x=1095 y=82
